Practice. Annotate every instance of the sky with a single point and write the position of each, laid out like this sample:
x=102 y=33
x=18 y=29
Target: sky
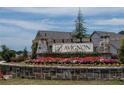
x=18 y=26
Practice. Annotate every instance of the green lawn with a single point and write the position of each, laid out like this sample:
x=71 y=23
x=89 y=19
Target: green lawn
x=59 y=82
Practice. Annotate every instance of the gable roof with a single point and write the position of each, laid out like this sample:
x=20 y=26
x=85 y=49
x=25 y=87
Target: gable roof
x=53 y=35
x=112 y=35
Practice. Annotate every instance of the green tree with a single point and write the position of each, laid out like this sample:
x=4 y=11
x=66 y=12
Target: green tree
x=25 y=53
x=121 y=32
x=80 y=30
x=19 y=52
x=7 y=54
x=0 y=56
x=34 y=49
x=121 y=52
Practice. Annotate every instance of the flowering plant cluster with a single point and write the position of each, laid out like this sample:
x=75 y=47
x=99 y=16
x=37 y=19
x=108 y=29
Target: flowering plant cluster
x=83 y=60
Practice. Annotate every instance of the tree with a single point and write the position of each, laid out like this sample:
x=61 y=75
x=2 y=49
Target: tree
x=34 y=49
x=121 y=32
x=7 y=54
x=0 y=56
x=19 y=52
x=25 y=53
x=121 y=52
x=80 y=30
x=12 y=53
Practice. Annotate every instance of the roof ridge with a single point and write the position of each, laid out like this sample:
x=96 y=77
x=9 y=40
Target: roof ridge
x=54 y=31
x=105 y=32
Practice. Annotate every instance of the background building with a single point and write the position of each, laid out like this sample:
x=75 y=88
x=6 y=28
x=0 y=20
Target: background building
x=106 y=42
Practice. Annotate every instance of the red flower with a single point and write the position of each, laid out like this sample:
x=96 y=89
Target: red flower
x=81 y=60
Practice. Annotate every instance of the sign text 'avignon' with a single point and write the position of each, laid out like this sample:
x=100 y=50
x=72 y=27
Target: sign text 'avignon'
x=75 y=47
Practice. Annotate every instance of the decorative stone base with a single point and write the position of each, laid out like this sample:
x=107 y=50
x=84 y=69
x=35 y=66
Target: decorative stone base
x=62 y=73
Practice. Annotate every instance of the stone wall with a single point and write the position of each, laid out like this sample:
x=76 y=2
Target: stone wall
x=64 y=73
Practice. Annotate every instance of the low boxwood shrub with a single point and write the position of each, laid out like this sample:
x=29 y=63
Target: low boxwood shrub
x=68 y=55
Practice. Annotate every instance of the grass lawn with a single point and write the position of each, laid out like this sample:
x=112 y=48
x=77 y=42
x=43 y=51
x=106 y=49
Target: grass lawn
x=59 y=82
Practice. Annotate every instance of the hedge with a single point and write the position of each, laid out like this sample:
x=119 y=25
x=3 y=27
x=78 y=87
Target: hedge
x=68 y=55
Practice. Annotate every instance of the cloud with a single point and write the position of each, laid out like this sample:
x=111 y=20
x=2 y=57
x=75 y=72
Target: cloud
x=44 y=24
x=47 y=11
x=30 y=25
x=24 y=24
x=110 y=25
x=68 y=11
x=112 y=22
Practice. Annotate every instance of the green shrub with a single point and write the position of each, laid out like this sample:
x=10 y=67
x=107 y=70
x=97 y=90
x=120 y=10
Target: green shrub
x=121 y=53
x=7 y=54
x=33 y=56
x=68 y=55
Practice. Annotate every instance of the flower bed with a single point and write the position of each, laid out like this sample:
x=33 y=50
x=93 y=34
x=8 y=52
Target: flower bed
x=83 y=60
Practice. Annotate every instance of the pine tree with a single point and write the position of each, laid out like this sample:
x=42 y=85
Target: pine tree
x=80 y=30
x=121 y=52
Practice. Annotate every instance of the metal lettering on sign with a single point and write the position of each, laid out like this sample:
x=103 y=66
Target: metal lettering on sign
x=74 y=47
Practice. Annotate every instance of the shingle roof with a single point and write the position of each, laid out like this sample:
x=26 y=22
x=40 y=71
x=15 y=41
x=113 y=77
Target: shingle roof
x=112 y=35
x=54 y=35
